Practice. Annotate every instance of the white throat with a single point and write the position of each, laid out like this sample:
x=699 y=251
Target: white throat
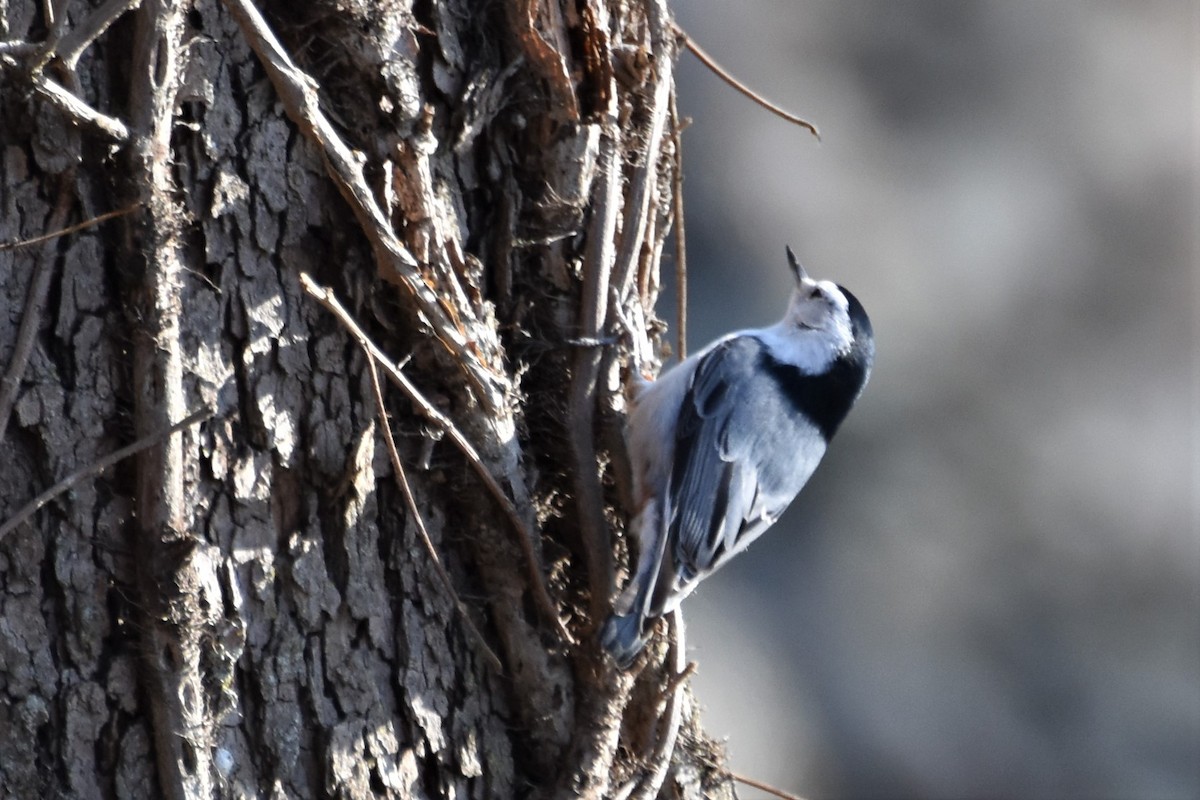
x=811 y=350
x=815 y=330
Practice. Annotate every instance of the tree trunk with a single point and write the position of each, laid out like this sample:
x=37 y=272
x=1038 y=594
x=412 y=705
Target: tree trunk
x=246 y=606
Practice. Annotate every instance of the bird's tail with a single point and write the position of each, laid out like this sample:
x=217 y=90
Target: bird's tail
x=625 y=631
x=622 y=637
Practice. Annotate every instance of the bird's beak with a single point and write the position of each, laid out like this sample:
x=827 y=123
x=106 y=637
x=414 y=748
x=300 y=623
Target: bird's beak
x=797 y=267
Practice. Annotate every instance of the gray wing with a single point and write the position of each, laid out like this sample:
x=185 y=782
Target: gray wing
x=742 y=453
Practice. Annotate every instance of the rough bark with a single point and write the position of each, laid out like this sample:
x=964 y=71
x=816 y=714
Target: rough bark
x=244 y=608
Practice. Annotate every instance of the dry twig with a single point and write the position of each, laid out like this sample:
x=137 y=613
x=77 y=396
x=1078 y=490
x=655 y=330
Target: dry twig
x=642 y=183
x=725 y=75
x=35 y=302
x=680 y=239
x=72 y=44
x=679 y=678
x=80 y=111
x=524 y=535
x=415 y=513
x=87 y=223
x=765 y=787
x=67 y=47
x=673 y=716
x=597 y=266
x=15 y=48
x=150 y=439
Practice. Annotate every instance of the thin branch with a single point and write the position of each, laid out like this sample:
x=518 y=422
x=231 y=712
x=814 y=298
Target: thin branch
x=17 y=49
x=75 y=41
x=680 y=238
x=410 y=501
x=581 y=402
x=724 y=75
x=639 y=341
x=673 y=716
x=525 y=536
x=765 y=787
x=624 y=791
x=298 y=92
x=87 y=223
x=80 y=111
x=149 y=440
x=35 y=302
x=679 y=678
x=642 y=182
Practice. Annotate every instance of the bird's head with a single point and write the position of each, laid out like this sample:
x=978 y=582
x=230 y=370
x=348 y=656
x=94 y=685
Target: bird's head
x=824 y=312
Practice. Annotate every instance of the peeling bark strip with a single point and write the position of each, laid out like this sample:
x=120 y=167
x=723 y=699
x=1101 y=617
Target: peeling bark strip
x=251 y=608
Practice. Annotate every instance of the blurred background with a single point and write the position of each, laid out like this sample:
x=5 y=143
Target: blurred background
x=991 y=588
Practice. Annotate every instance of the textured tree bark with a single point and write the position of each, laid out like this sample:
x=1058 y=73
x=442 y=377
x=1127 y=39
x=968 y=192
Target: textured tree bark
x=245 y=608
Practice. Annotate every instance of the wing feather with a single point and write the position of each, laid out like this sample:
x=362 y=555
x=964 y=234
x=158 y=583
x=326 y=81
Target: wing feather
x=742 y=453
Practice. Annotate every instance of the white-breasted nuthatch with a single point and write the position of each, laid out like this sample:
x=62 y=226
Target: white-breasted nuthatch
x=722 y=443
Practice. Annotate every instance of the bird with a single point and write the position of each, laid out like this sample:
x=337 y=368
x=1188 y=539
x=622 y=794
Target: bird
x=722 y=443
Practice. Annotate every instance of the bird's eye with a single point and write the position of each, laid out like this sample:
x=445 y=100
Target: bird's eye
x=814 y=294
